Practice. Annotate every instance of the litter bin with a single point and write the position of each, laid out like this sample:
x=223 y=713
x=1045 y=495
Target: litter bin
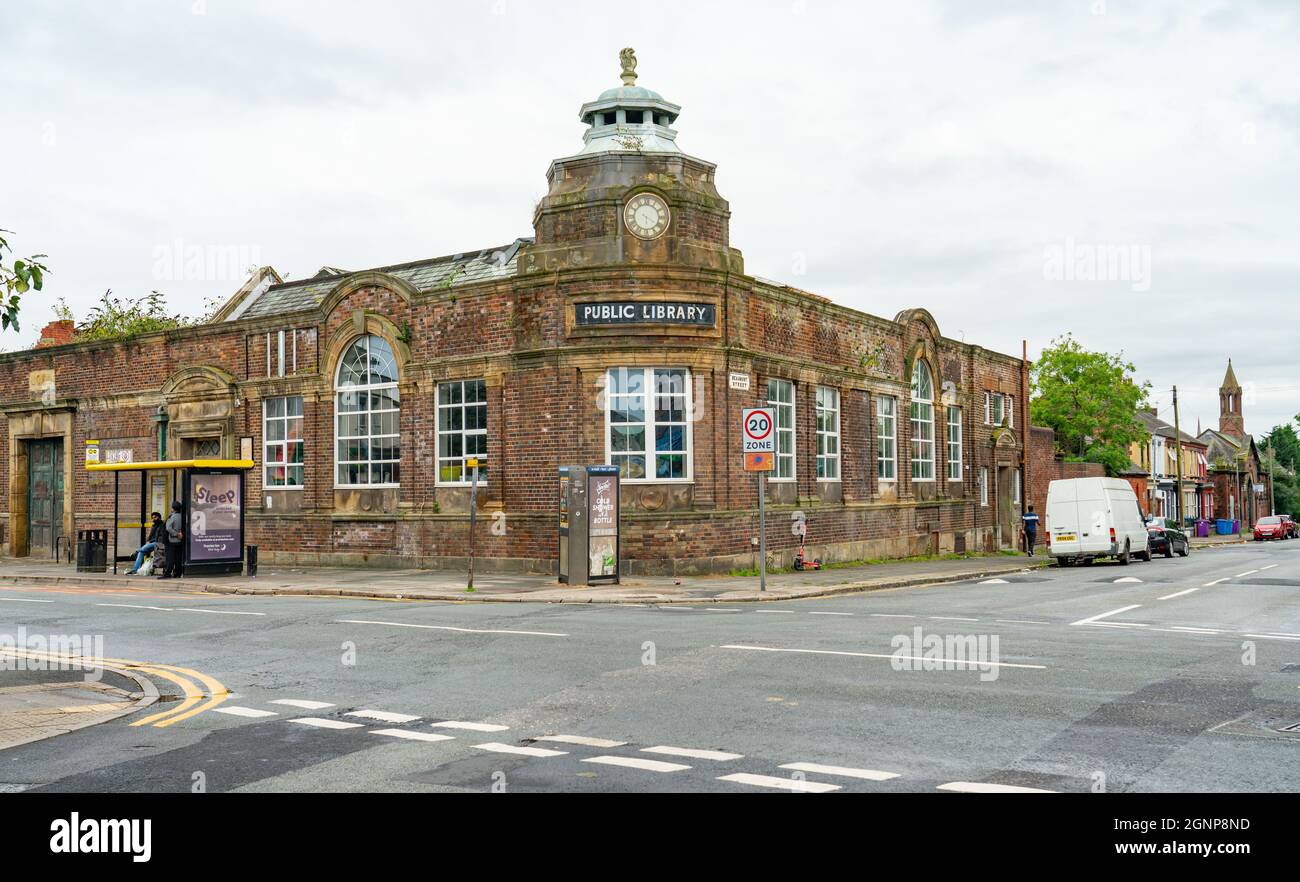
x=1223 y=528
x=1202 y=529
x=92 y=551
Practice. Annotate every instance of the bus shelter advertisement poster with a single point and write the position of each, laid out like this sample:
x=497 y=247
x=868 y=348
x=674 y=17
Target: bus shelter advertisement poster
x=214 y=517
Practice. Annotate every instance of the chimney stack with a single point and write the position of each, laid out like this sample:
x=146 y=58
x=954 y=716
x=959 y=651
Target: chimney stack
x=58 y=333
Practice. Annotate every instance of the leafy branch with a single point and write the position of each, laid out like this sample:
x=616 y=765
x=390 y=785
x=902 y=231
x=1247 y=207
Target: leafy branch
x=18 y=279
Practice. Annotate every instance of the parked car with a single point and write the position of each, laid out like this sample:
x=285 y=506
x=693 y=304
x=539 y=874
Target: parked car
x=1271 y=528
x=1091 y=518
x=1167 y=540
x=1293 y=529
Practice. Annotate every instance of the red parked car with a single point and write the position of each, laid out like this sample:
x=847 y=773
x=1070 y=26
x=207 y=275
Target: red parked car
x=1271 y=528
x=1293 y=529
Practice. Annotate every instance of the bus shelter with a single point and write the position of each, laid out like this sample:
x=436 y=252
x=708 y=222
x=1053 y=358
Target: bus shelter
x=211 y=493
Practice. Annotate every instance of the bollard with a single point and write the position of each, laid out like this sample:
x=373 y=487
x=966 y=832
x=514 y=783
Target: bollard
x=251 y=557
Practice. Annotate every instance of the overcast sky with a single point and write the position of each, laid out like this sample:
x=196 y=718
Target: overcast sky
x=962 y=156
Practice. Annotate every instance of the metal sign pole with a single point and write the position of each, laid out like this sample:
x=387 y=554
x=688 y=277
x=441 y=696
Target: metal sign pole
x=762 y=532
x=473 y=520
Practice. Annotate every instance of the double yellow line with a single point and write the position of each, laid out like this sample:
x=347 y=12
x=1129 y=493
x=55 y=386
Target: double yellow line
x=201 y=692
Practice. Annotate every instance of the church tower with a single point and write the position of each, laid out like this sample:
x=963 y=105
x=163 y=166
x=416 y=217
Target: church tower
x=631 y=196
x=1231 y=420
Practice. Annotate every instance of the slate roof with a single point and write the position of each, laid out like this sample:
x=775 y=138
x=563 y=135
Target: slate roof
x=453 y=271
x=1157 y=426
x=1224 y=447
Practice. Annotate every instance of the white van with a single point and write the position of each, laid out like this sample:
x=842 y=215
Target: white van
x=1088 y=518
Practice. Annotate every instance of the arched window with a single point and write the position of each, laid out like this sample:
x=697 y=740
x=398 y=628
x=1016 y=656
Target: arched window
x=922 y=423
x=367 y=426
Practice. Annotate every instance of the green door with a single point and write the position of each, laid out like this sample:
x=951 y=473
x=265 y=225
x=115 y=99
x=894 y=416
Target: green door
x=45 y=497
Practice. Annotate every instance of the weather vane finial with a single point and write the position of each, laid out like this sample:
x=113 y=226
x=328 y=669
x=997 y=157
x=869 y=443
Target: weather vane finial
x=628 y=57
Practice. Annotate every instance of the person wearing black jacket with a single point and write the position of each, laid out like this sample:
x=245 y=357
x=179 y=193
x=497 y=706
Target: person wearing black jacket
x=156 y=538
x=175 y=528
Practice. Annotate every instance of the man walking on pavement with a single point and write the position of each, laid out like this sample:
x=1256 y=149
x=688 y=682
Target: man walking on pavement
x=1031 y=530
x=175 y=533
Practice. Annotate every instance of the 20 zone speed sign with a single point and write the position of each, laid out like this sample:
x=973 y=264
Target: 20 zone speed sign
x=758 y=439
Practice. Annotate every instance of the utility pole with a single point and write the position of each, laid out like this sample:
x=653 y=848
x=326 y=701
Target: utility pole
x=1178 y=440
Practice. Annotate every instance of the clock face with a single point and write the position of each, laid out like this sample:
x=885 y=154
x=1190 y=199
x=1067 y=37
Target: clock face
x=646 y=216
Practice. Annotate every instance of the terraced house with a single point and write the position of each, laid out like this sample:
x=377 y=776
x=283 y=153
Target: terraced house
x=623 y=331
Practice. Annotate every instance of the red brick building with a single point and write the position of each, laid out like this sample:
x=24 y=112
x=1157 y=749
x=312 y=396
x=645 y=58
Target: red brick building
x=624 y=331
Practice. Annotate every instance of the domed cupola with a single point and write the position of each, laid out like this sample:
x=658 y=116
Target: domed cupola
x=631 y=196
x=630 y=117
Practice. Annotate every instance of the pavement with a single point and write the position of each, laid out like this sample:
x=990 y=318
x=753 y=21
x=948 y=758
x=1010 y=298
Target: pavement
x=1177 y=675
x=450 y=586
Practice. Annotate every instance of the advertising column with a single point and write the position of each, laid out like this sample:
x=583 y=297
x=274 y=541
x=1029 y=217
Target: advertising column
x=603 y=550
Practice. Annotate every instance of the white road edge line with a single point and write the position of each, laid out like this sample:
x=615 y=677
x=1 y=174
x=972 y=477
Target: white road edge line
x=470 y=727
x=325 y=724
x=1113 y=612
x=251 y=713
x=1270 y=637
x=975 y=787
x=540 y=752
x=408 y=735
x=842 y=771
x=1269 y=567
x=583 y=741
x=692 y=753
x=792 y=784
x=218 y=612
x=447 y=628
x=977 y=665
x=382 y=716
x=632 y=762
x=1180 y=594
x=304 y=705
x=22 y=600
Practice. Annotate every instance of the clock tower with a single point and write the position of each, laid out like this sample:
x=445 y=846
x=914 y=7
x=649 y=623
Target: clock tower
x=631 y=196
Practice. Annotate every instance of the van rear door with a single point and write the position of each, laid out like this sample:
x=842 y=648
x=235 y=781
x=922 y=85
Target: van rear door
x=1063 y=524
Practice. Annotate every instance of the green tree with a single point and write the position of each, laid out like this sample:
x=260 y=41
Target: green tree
x=1285 y=444
x=1281 y=455
x=1091 y=401
x=18 y=278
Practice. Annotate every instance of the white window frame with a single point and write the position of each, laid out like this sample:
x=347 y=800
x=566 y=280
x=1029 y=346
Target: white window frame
x=370 y=436
x=828 y=413
x=1016 y=489
x=649 y=379
x=984 y=487
x=788 y=409
x=954 y=444
x=283 y=443
x=995 y=416
x=464 y=407
x=886 y=430
x=922 y=407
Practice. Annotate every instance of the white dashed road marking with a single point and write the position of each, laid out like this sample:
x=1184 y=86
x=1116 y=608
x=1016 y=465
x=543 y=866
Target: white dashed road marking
x=961 y=663
x=691 y=753
x=411 y=736
x=829 y=614
x=219 y=612
x=974 y=787
x=520 y=751
x=1180 y=594
x=470 y=727
x=382 y=716
x=793 y=784
x=304 y=705
x=1212 y=584
x=325 y=724
x=583 y=741
x=1244 y=575
x=632 y=762
x=454 y=630
x=1270 y=637
x=249 y=712
x=840 y=771
x=1108 y=615
x=22 y=600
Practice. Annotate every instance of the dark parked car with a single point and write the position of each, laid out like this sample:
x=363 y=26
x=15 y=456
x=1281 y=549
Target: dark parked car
x=1167 y=540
